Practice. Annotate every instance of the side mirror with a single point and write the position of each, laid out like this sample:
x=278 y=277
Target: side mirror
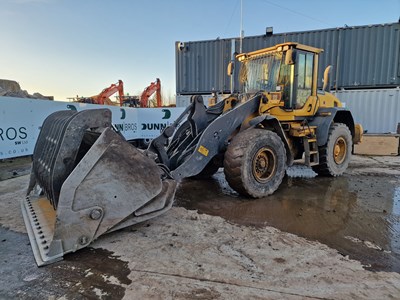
x=229 y=69
x=290 y=58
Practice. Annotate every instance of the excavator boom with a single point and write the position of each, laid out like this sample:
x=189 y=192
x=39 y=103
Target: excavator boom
x=112 y=89
x=154 y=87
x=104 y=97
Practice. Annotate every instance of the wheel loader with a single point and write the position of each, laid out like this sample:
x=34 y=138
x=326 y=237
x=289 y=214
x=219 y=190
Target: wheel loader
x=86 y=180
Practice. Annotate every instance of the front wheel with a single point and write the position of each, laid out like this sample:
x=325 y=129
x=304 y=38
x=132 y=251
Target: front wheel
x=255 y=163
x=335 y=155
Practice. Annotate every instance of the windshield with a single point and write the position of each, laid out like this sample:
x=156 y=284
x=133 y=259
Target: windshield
x=261 y=73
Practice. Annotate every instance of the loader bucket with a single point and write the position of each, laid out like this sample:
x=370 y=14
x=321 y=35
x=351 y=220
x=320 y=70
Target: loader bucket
x=86 y=180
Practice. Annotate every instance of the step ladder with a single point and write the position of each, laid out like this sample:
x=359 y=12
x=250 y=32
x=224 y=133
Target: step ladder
x=311 y=155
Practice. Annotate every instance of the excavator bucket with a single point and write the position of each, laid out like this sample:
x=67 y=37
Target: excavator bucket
x=86 y=181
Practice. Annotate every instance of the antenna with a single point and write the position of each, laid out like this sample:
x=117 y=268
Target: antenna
x=241 y=27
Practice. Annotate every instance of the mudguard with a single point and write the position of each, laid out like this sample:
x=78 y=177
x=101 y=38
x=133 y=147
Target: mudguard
x=324 y=118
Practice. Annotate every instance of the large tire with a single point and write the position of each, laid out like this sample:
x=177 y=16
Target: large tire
x=335 y=155
x=255 y=163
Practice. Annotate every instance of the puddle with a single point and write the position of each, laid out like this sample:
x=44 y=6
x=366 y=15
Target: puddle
x=97 y=274
x=357 y=215
x=14 y=167
x=87 y=274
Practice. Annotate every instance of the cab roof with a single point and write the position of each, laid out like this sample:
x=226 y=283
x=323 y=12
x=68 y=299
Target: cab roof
x=278 y=48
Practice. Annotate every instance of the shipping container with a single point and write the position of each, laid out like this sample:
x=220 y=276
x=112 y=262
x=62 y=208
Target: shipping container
x=362 y=57
x=377 y=110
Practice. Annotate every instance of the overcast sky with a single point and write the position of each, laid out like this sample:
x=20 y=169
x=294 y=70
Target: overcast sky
x=66 y=48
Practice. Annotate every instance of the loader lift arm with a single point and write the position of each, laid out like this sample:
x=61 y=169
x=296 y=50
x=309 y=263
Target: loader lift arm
x=200 y=137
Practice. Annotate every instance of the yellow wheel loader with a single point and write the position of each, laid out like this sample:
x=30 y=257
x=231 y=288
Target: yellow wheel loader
x=86 y=180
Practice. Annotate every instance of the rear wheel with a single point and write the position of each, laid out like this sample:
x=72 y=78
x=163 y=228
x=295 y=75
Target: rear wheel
x=255 y=162
x=334 y=156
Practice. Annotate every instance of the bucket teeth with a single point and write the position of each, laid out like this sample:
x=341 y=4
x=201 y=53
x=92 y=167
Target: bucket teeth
x=39 y=217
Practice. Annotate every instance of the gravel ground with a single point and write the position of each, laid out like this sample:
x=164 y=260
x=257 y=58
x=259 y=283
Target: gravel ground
x=187 y=255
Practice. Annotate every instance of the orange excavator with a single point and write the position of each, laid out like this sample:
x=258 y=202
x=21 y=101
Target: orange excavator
x=154 y=87
x=104 y=97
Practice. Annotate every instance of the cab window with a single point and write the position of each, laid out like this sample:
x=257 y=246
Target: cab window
x=304 y=77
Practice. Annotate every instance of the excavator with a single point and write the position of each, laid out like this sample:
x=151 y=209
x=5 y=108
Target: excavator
x=154 y=87
x=144 y=99
x=87 y=181
x=132 y=101
x=104 y=97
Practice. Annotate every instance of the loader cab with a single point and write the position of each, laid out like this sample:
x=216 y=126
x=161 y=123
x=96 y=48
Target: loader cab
x=287 y=71
x=300 y=70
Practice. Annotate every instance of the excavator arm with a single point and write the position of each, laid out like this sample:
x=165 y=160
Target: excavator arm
x=104 y=96
x=154 y=87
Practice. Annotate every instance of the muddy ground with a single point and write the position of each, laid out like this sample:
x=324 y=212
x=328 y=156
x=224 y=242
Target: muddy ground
x=318 y=238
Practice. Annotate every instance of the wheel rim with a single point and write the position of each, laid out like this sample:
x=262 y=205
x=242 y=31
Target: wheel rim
x=264 y=164
x=340 y=150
